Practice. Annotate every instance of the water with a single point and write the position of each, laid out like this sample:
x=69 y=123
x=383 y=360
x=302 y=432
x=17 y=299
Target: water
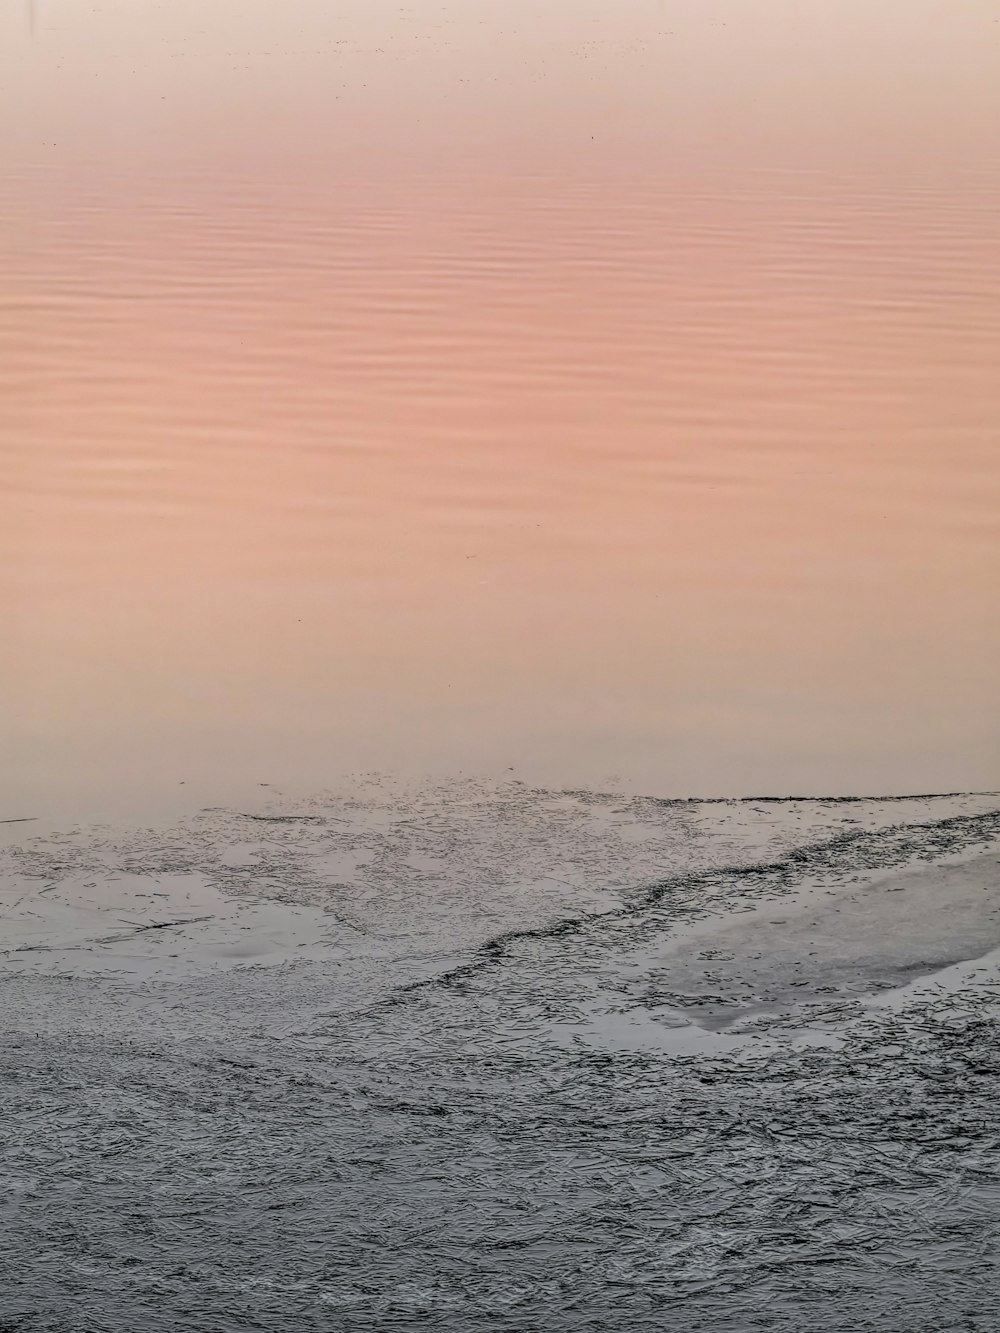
x=602 y=395
x=431 y=439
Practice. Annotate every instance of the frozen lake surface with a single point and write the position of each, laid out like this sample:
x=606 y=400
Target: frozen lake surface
x=495 y=1057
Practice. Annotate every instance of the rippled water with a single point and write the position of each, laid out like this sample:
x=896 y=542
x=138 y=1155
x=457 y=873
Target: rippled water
x=602 y=394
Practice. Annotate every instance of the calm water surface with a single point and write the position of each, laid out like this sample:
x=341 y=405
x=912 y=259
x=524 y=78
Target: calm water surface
x=597 y=391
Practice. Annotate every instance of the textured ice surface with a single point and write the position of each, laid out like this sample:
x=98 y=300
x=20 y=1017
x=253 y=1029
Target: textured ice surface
x=494 y=1058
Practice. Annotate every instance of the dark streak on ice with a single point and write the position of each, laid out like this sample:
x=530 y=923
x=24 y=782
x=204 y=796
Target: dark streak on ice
x=860 y=850
x=138 y=929
x=671 y=801
x=287 y=819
